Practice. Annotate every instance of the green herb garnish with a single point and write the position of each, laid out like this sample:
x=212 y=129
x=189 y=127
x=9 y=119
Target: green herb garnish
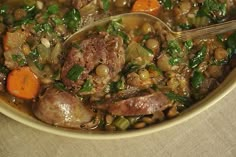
x=181 y=99
x=87 y=86
x=72 y=19
x=19 y=59
x=75 y=72
x=198 y=58
x=106 y=5
x=197 y=79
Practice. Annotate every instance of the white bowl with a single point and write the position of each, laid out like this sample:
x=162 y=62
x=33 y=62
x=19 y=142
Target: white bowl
x=23 y=115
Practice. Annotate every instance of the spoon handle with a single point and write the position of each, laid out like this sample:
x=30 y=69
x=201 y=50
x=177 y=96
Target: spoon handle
x=207 y=31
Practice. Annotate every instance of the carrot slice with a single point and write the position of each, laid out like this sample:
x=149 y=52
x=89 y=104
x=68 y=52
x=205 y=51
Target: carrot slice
x=148 y=6
x=23 y=83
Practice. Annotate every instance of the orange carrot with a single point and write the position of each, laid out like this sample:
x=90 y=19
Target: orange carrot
x=23 y=83
x=148 y=6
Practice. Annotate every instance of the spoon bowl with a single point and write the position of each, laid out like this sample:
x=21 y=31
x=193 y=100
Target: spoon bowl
x=201 y=32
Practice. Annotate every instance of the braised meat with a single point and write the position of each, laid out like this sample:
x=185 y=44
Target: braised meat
x=98 y=49
x=60 y=108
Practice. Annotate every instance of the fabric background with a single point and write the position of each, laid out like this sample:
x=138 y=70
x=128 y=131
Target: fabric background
x=210 y=134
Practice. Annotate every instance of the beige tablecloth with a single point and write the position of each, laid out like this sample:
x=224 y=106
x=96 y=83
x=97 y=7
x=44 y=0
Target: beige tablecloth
x=211 y=134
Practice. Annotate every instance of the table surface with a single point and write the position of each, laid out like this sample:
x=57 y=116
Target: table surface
x=211 y=133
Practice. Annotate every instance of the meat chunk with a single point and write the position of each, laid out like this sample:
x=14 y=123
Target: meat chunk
x=60 y=108
x=139 y=105
x=93 y=51
x=78 y=4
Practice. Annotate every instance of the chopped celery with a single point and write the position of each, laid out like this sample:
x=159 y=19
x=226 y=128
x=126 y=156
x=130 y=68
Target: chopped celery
x=135 y=51
x=121 y=123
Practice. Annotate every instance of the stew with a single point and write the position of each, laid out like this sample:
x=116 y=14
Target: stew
x=127 y=74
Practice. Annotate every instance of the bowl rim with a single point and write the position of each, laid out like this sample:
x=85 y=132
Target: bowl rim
x=225 y=87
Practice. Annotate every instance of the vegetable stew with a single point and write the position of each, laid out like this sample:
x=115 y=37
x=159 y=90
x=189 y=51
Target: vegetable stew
x=127 y=74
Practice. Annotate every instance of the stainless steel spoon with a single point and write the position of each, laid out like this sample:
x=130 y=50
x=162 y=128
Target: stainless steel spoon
x=184 y=35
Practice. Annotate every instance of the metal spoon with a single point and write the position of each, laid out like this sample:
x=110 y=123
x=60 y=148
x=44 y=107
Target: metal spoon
x=184 y=35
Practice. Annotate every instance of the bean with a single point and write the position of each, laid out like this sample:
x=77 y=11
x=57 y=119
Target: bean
x=215 y=71
x=102 y=70
x=220 y=54
x=158 y=115
x=45 y=42
x=163 y=63
x=172 y=112
x=120 y=3
x=139 y=125
x=153 y=45
x=19 y=14
x=185 y=6
x=109 y=119
x=39 y=5
x=26 y=49
x=61 y=29
x=143 y=74
x=148 y=120
x=147 y=28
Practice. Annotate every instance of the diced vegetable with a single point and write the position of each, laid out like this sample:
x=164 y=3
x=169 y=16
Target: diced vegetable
x=87 y=86
x=197 y=79
x=148 y=6
x=196 y=60
x=14 y=40
x=199 y=21
x=23 y=83
x=135 y=51
x=89 y=9
x=121 y=123
x=75 y=72
x=72 y=19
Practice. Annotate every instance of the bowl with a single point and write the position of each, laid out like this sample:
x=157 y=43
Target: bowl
x=23 y=115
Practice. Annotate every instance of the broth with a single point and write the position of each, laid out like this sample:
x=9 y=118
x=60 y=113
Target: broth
x=126 y=74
